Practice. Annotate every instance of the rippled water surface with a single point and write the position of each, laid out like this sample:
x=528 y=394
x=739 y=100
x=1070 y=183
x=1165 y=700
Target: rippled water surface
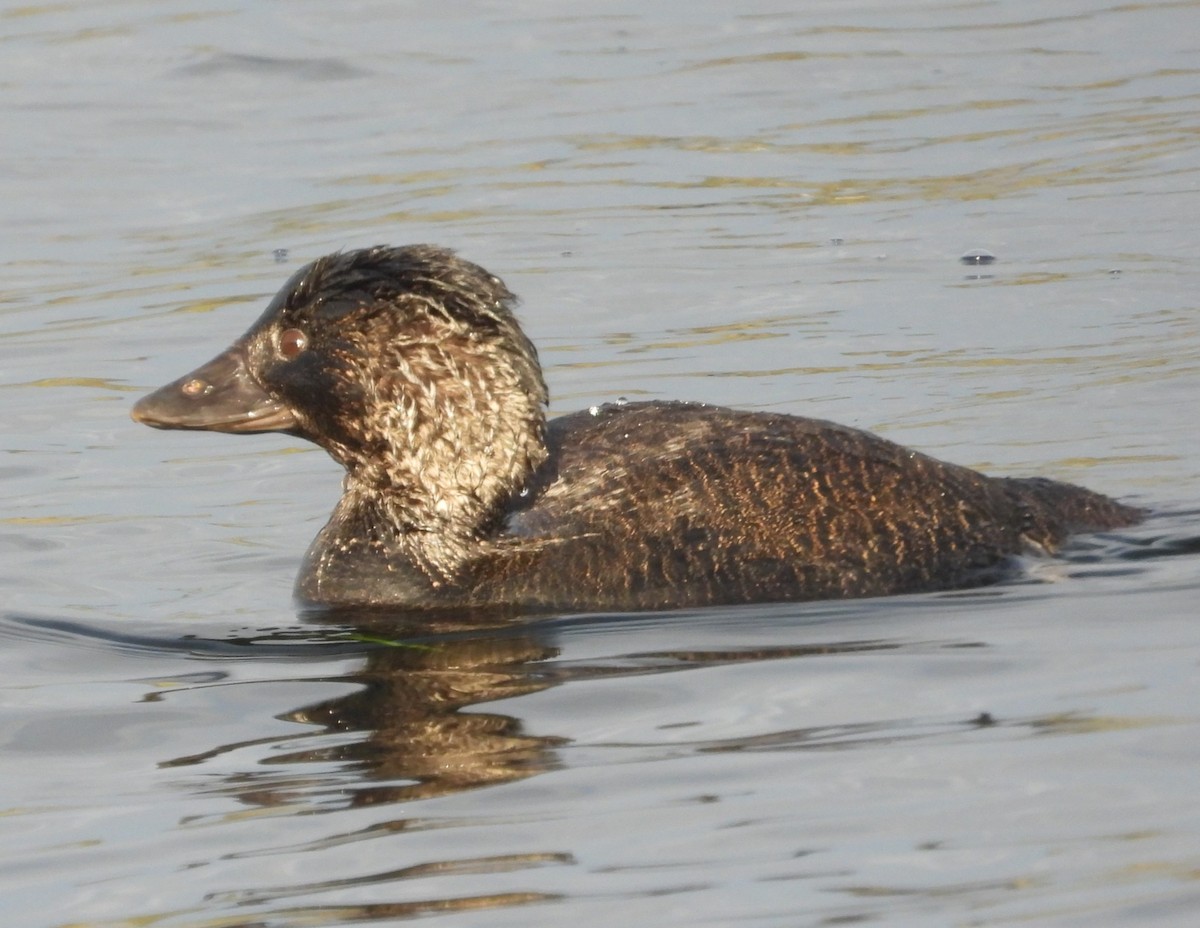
x=756 y=204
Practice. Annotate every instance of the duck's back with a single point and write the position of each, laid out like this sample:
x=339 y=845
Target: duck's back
x=672 y=504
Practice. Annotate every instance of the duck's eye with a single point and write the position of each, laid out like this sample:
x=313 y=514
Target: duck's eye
x=292 y=342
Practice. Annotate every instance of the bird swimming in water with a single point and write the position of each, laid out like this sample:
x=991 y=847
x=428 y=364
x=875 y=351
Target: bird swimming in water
x=408 y=367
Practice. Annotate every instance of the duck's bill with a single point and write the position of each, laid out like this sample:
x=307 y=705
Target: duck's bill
x=220 y=396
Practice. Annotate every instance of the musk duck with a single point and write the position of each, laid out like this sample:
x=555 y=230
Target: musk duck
x=409 y=368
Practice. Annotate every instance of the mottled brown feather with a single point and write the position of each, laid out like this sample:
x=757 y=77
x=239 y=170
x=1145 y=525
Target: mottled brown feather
x=417 y=378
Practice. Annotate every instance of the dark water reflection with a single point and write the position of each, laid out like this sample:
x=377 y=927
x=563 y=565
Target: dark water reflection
x=419 y=674
x=418 y=742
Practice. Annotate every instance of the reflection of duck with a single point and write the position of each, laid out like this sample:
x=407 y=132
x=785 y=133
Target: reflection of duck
x=414 y=739
x=408 y=367
x=420 y=706
x=417 y=741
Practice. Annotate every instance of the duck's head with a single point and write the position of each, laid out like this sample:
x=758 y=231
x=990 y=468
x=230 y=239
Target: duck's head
x=405 y=364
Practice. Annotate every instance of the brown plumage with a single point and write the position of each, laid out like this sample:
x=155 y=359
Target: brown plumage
x=408 y=367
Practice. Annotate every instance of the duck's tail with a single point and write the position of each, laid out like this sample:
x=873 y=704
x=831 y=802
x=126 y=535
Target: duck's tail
x=1054 y=510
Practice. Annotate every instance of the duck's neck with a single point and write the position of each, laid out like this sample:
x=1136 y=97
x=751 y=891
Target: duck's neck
x=443 y=470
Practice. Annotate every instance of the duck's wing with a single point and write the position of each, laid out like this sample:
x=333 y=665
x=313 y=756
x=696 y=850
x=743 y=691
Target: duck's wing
x=672 y=503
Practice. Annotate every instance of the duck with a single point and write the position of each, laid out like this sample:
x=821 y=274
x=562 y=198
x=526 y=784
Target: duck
x=408 y=366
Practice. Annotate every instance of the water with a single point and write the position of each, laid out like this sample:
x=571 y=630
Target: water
x=763 y=208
